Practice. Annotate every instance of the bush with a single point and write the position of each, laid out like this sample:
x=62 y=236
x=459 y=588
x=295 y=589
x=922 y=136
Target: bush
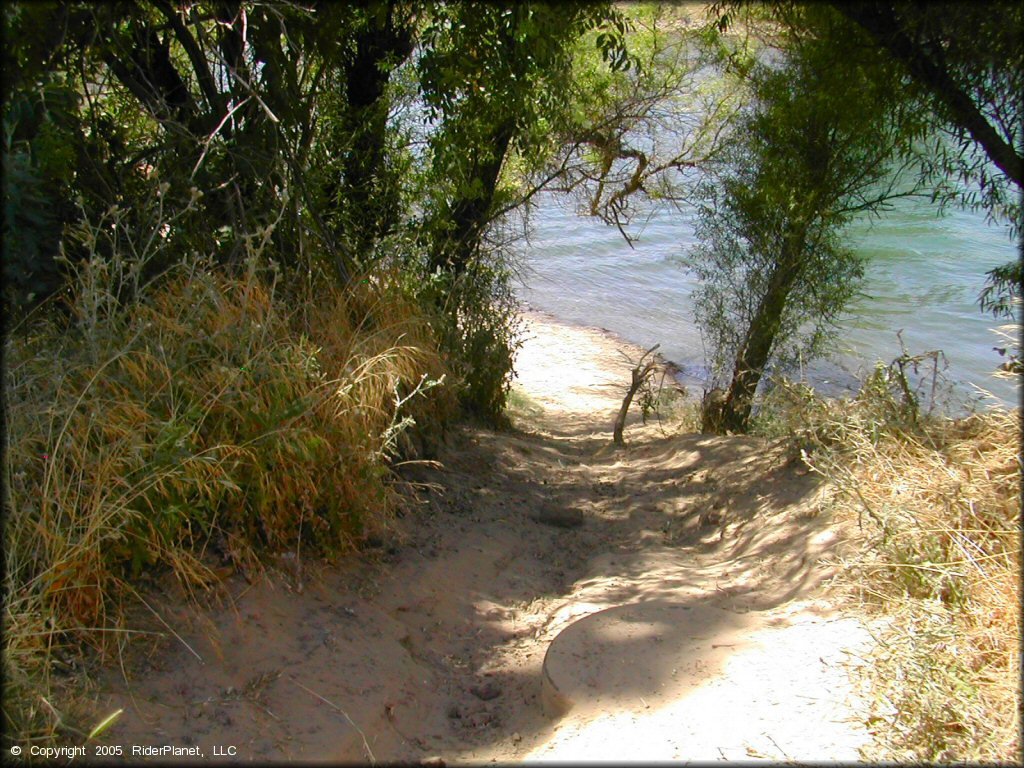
x=932 y=508
x=478 y=326
x=210 y=421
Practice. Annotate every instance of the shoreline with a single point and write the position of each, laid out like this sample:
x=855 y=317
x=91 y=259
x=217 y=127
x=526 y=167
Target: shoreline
x=686 y=383
x=957 y=399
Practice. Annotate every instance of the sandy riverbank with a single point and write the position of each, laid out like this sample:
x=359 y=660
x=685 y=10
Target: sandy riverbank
x=434 y=646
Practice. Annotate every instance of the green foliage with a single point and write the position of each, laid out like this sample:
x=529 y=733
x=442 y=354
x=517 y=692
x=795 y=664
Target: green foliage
x=736 y=266
x=635 y=134
x=809 y=154
x=1002 y=297
x=39 y=169
x=275 y=128
x=30 y=233
x=363 y=159
x=498 y=81
x=967 y=69
x=216 y=100
x=478 y=328
x=1003 y=290
x=959 y=76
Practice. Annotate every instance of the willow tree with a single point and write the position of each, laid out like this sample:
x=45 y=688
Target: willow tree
x=959 y=71
x=245 y=102
x=812 y=151
x=967 y=64
x=496 y=82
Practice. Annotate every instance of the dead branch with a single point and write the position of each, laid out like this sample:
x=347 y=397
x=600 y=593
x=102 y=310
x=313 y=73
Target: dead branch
x=640 y=374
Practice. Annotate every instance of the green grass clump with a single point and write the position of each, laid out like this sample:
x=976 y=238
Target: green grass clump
x=932 y=508
x=213 y=419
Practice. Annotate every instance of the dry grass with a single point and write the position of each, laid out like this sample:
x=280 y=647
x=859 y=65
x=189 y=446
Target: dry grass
x=932 y=506
x=212 y=421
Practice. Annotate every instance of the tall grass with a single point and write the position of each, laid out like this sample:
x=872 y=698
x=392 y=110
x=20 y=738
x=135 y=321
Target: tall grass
x=211 y=420
x=932 y=505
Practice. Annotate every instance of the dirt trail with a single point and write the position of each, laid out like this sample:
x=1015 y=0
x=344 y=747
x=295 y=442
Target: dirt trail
x=433 y=648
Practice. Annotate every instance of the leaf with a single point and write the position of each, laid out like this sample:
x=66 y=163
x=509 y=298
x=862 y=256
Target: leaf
x=105 y=723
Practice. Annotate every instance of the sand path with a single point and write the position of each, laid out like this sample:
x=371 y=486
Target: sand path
x=432 y=649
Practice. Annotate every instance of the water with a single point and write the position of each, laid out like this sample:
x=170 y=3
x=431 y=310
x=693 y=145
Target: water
x=923 y=278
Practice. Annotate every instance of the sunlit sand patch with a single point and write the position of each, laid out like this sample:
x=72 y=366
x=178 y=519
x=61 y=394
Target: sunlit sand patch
x=381 y=662
x=780 y=694
x=573 y=373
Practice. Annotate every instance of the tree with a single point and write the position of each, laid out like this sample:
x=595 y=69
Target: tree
x=358 y=169
x=272 y=125
x=959 y=68
x=638 y=133
x=967 y=60
x=495 y=80
x=812 y=151
x=243 y=102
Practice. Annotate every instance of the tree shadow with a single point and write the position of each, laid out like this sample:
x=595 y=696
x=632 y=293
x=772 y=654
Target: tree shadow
x=660 y=519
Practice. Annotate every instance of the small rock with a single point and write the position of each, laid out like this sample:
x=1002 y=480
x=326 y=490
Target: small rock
x=434 y=760
x=560 y=518
x=516 y=737
x=487 y=691
x=223 y=718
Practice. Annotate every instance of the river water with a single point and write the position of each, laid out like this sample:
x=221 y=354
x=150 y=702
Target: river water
x=923 y=277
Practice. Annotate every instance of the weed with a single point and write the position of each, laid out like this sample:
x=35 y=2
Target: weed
x=932 y=506
x=208 y=421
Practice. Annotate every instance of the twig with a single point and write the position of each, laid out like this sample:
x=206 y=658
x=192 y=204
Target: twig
x=170 y=629
x=784 y=753
x=640 y=375
x=334 y=706
x=206 y=144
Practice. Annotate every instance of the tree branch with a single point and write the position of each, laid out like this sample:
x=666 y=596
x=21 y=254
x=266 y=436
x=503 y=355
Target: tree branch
x=928 y=68
x=195 y=55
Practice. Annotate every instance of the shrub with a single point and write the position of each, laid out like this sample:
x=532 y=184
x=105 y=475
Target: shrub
x=209 y=421
x=932 y=506
x=478 y=328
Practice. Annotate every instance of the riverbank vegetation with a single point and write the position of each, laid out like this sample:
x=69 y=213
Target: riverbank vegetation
x=252 y=258
x=930 y=509
x=214 y=420
x=775 y=273
x=256 y=254
x=832 y=132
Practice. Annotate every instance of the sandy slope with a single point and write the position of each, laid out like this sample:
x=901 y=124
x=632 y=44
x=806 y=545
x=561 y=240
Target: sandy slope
x=433 y=648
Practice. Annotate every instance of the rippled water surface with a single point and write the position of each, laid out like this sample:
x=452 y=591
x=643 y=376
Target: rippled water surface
x=924 y=275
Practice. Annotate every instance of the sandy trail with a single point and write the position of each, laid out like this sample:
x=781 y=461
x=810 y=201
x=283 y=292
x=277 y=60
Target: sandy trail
x=433 y=648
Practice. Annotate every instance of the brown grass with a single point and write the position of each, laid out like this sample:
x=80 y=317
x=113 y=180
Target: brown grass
x=211 y=421
x=932 y=506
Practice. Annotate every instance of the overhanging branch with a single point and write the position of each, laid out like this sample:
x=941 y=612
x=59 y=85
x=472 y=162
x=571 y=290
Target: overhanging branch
x=928 y=68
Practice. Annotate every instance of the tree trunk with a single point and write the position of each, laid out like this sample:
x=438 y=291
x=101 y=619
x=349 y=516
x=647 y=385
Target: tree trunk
x=926 y=65
x=371 y=200
x=757 y=347
x=468 y=216
x=639 y=374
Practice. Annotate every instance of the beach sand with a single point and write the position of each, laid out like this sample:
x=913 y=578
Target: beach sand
x=717 y=641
